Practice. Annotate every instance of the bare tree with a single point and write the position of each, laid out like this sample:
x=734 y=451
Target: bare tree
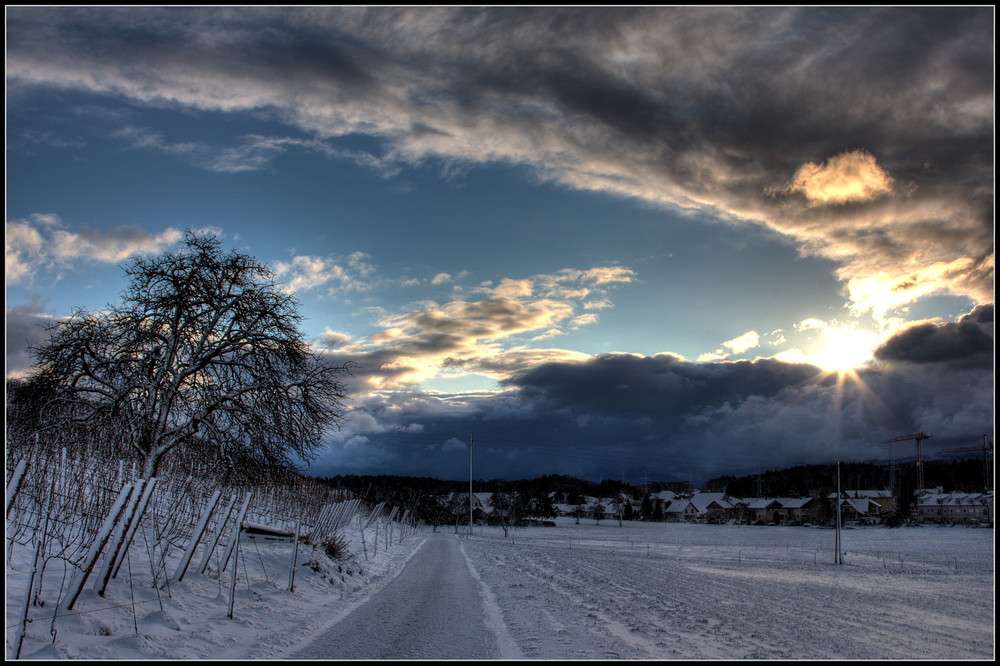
x=598 y=511
x=203 y=350
x=620 y=503
x=508 y=509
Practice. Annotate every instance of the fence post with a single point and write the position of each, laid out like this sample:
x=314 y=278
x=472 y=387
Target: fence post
x=295 y=557
x=232 y=585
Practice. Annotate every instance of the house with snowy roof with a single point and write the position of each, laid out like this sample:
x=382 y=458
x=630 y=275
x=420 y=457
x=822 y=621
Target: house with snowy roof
x=680 y=510
x=664 y=496
x=939 y=507
x=795 y=509
x=714 y=507
x=763 y=509
x=883 y=498
x=867 y=506
x=860 y=509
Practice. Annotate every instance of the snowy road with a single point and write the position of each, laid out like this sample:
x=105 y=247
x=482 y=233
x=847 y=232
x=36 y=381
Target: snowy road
x=435 y=609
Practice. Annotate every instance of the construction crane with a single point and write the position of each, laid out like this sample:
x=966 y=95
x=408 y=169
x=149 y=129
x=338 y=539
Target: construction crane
x=987 y=449
x=919 y=437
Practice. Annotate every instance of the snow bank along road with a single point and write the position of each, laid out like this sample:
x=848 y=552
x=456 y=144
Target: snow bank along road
x=434 y=609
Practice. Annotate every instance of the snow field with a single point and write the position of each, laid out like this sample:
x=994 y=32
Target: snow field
x=673 y=591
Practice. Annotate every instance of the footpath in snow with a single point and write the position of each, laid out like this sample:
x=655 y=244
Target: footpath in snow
x=434 y=609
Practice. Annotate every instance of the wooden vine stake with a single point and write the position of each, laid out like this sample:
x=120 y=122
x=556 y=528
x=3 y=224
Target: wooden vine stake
x=196 y=536
x=87 y=567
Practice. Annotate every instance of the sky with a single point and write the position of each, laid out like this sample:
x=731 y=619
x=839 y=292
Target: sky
x=629 y=243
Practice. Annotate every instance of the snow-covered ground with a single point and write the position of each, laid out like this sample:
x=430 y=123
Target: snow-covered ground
x=682 y=591
x=588 y=591
x=190 y=619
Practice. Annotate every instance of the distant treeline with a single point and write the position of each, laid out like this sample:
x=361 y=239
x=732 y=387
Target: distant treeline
x=966 y=475
x=401 y=490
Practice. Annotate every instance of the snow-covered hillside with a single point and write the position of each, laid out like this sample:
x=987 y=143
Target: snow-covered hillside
x=588 y=591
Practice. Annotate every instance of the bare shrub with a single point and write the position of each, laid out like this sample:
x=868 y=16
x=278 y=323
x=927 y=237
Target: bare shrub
x=335 y=547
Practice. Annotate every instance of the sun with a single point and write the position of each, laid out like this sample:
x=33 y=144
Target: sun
x=843 y=349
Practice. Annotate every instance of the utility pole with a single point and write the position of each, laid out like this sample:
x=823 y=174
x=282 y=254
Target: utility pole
x=838 y=556
x=470 y=485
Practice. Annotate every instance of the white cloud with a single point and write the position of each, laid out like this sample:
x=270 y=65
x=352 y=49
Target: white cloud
x=792 y=356
x=711 y=357
x=454 y=444
x=23 y=250
x=252 y=152
x=810 y=324
x=740 y=344
x=41 y=243
x=584 y=320
x=466 y=336
x=304 y=273
x=331 y=339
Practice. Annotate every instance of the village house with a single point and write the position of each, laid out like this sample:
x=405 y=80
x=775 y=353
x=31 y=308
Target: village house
x=883 y=498
x=954 y=508
x=589 y=507
x=762 y=510
x=563 y=509
x=860 y=509
x=713 y=507
x=795 y=509
x=680 y=510
x=866 y=506
x=664 y=496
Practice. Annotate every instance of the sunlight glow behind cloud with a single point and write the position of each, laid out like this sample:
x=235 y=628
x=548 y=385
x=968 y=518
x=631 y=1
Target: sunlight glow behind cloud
x=845 y=178
x=843 y=349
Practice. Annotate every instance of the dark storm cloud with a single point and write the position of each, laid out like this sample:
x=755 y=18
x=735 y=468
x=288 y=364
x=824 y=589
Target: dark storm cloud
x=625 y=384
x=969 y=341
x=664 y=417
x=981 y=314
x=26 y=326
x=661 y=418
